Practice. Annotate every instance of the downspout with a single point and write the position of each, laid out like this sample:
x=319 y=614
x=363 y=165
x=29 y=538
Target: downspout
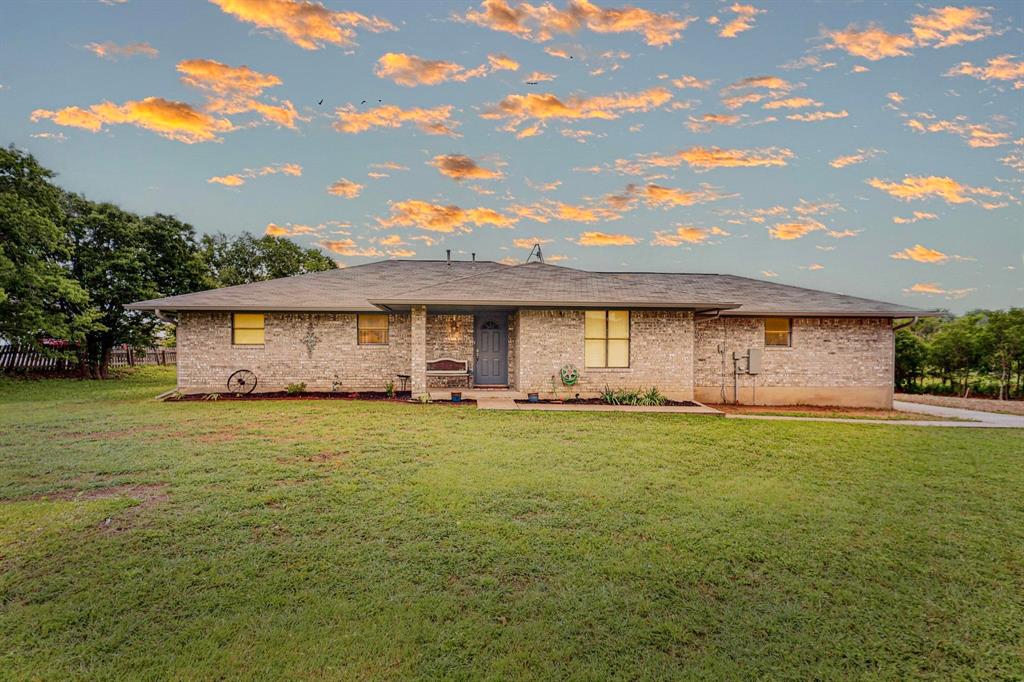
x=905 y=324
x=164 y=318
x=895 y=329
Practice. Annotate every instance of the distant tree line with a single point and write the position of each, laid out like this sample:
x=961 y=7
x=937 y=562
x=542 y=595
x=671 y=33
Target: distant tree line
x=980 y=353
x=68 y=265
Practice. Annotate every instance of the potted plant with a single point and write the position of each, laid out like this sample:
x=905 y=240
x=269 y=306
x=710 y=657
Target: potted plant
x=533 y=397
x=456 y=396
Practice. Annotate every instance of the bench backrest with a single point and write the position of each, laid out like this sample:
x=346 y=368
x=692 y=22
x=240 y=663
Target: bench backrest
x=447 y=366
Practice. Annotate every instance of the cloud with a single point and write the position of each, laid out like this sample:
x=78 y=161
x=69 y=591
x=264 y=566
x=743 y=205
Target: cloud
x=818 y=116
x=410 y=70
x=236 y=179
x=948 y=26
x=769 y=273
x=528 y=242
x=174 y=120
x=345 y=188
x=812 y=267
x=438 y=218
x=684 y=234
x=915 y=217
x=1001 y=68
x=275 y=230
x=518 y=109
x=703 y=124
x=539 y=77
x=706 y=158
x=795 y=229
x=932 y=288
x=773 y=83
x=669 y=197
x=348 y=247
x=809 y=61
x=113 y=51
x=923 y=187
x=234 y=89
x=690 y=82
x=56 y=137
x=921 y=254
x=436 y=121
x=744 y=20
x=872 y=43
x=605 y=239
x=540 y=23
x=791 y=103
x=308 y=24
x=461 y=167
x=861 y=156
x=976 y=135
x=546 y=211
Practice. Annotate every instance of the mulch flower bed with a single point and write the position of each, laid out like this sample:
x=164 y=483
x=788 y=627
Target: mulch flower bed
x=398 y=397
x=598 y=401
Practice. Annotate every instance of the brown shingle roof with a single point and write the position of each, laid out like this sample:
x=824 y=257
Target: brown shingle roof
x=401 y=283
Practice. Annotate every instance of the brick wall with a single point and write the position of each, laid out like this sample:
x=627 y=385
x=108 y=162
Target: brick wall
x=661 y=352
x=834 y=361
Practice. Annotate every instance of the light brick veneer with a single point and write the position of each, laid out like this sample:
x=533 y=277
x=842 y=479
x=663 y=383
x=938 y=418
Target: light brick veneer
x=832 y=361
x=661 y=353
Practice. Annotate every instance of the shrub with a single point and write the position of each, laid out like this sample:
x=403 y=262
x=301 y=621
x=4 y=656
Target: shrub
x=389 y=389
x=295 y=389
x=653 y=397
x=622 y=396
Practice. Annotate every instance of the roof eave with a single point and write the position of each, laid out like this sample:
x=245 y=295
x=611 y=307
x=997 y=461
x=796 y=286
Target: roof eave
x=683 y=305
x=832 y=313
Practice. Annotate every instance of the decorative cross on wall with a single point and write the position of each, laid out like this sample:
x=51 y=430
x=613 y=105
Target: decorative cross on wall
x=310 y=340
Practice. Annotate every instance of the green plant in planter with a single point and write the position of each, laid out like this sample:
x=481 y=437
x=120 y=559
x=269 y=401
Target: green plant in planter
x=211 y=396
x=652 y=398
x=389 y=389
x=295 y=389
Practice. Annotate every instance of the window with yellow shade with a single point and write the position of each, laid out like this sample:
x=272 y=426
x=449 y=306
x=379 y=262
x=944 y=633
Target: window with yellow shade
x=372 y=329
x=606 y=338
x=778 y=331
x=247 y=329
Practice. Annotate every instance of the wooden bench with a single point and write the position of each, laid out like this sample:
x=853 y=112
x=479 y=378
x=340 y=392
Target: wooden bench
x=449 y=367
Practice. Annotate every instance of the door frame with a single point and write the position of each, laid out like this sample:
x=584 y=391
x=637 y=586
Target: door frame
x=478 y=319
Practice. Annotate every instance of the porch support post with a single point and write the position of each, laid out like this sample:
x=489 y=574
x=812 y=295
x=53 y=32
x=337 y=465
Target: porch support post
x=418 y=371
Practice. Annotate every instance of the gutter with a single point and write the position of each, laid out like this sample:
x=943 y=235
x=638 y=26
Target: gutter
x=906 y=324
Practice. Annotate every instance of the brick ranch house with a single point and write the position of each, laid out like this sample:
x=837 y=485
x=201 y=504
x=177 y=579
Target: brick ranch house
x=438 y=325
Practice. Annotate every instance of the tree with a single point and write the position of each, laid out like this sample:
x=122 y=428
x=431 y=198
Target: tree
x=1003 y=344
x=38 y=299
x=957 y=349
x=119 y=258
x=239 y=260
x=911 y=356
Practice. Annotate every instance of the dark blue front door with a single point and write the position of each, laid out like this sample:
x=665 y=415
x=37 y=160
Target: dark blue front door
x=491 y=350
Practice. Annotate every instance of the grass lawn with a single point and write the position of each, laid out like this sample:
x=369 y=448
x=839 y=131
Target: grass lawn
x=336 y=539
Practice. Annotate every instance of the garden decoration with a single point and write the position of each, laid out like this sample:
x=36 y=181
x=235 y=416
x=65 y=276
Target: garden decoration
x=243 y=381
x=570 y=375
x=310 y=340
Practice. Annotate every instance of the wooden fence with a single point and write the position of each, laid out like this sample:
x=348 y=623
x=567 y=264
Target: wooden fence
x=19 y=359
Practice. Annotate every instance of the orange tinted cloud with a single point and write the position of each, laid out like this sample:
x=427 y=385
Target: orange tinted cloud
x=669 y=197
x=690 y=82
x=916 y=216
x=924 y=187
x=871 y=43
x=518 y=109
x=275 y=230
x=605 y=239
x=921 y=254
x=819 y=116
x=744 y=20
x=345 y=188
x=935 y=289
x=113 y=51
x=308 y=24
x=348 y=247
x=1001 y=68
x=436 y=121
x=541 y=22
x=461 y=167
x=976 y=135
x=791 y=103
x=773 y=83
x=703 y=124
x=410 y=70
x=236 y=179
x=861 y=156
x=173 y=120
x=438 y=218
x=528 y=242
x=947 y=26
x=538 y=77
x=502 y=62
x=706 y=158
x=687 y=235
x=234 y=89
x=794 y=230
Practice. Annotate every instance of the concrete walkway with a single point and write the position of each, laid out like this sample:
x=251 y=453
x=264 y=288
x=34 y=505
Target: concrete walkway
x=990 y=418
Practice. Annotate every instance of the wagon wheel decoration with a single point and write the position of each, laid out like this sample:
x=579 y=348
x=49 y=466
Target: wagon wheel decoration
x=570 y=375
x=243 y=381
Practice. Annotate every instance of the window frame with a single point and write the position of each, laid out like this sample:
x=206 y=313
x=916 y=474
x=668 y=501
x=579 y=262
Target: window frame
x=606 y=338
x=235 y=327
x=789 y=333
x=386 y=330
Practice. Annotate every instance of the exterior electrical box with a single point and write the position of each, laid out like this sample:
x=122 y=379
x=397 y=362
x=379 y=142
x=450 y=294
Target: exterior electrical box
x=754 y=361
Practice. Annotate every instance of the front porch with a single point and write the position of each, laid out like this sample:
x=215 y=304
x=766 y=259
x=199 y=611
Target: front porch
x=460 y=350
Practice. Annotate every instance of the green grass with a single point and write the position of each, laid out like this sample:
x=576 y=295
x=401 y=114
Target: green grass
x=335 y=539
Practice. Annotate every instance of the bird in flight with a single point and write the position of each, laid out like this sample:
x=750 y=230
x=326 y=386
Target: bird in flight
x=320 y=103
x=363 y=102
x=531 y=82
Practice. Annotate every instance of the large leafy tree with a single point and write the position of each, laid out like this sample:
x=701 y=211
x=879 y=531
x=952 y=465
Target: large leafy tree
x=245 y=258
x=118 y=258
x=38 y=298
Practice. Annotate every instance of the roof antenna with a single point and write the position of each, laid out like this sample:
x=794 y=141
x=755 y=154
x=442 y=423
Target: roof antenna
x=448 y=256
x=536 y=251
x=474 y=256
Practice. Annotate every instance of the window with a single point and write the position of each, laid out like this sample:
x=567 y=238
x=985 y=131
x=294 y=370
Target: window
x=247 y=329
x=372 y=329
x=606 y=338
x=778 y=331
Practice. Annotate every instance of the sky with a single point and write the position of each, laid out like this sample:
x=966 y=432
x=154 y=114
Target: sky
x=867 y=148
